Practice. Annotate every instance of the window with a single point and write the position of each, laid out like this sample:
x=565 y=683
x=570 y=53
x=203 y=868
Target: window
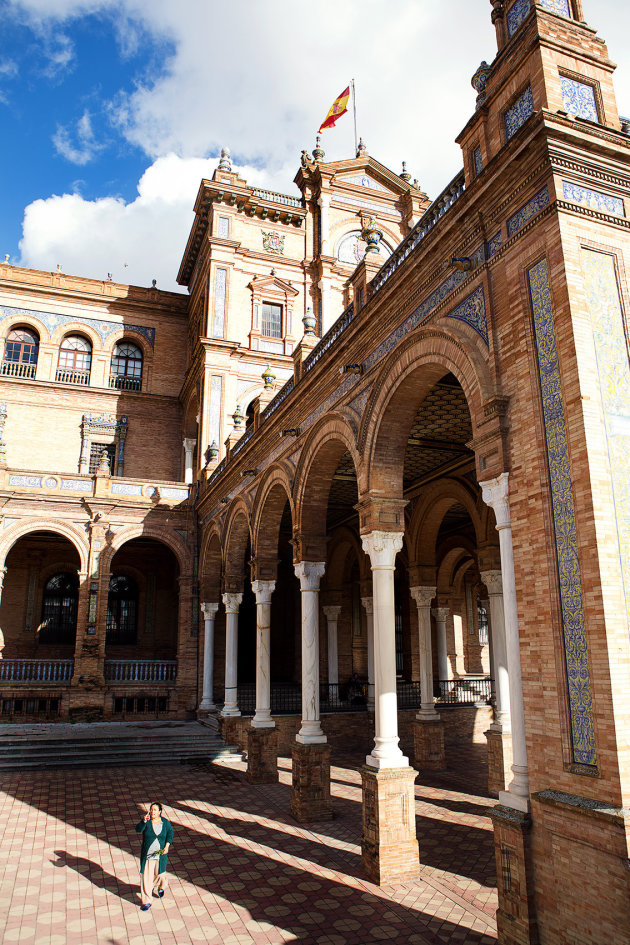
x=59 y=609
x=122 y=611
x=20 y=353
x=75 y=359
x=126 y=371
x=271 y=320
x=96 y=453
x=482 y=622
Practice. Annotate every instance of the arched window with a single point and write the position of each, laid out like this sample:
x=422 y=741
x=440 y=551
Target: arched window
x=20 y=353
x=122 y=611
x=59 y=609
x=126 y=372
x=75 y=359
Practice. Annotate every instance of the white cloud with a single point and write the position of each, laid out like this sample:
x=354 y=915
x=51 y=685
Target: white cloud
x=137 y=241
x=86 y=146
x=8 y=69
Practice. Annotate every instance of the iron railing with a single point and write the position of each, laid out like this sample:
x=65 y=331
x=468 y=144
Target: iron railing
x=120 y=382
x=154 y=671
x=28 y=671
x=465 y=691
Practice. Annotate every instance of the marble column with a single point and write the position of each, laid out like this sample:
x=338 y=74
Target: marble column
x=189 y=449
x=232 y=604
x=3 y=574
x=209 y=612
x=263 y=591
x=428 y=727
x=310 y=781
x=389 y=848
x=495 y=494
x=331 y=613
x=441 y=616
x=498 y=736
x=368 y=606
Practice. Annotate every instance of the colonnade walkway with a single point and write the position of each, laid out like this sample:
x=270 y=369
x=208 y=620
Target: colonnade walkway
x=241 y=869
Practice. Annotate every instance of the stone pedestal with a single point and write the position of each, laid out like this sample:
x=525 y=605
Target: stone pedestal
x=230 y=728
x=516 y=916
x=262 y=755
x=499 y=761
x=310 y=789
x=388 y=843
x=428 y=742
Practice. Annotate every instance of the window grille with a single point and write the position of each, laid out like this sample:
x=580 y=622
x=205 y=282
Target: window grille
x=122 y=611
x=126 y=371
x=96 y=451
x=59 y=609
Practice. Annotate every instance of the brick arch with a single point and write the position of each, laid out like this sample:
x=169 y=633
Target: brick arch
x=328 y=441
x=78 y=328
x=165 y=536
x=235 y=538
x=403 y=383
x=452 y=568
x=211 y=565
x=74 y=535
x=272 y=495
x=133 y=336
x=28 y=320
x=339 y=559
x=435 y=501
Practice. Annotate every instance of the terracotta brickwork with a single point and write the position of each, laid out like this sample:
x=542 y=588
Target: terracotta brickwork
x=262 y=755
x=310 y=783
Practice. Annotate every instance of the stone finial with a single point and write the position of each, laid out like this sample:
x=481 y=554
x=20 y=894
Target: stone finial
x=479 y=80
x=404 y=174
x=154 y=283
x=268 y=378
x=103 y=466
x=372 y=235
x=310 y=322
x=7 y=257
x=212 y=453
x=238 y=417
x=361 y=148
x=318 y=152
x=59 y=269
x=225 y=164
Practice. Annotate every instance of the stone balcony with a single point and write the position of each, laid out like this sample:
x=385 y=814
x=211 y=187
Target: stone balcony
x=43 y=484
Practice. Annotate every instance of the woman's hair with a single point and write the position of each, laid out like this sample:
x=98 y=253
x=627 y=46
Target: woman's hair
x=155 y=804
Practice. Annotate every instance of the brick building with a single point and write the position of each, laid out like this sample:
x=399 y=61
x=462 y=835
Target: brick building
x=448 y=460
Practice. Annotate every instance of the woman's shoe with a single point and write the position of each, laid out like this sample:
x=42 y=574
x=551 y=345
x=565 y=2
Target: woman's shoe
x=146 y=906
x=160 y=893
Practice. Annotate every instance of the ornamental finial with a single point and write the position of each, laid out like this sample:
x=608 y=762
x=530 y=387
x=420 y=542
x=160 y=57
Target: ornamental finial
x=225 y=164
x=318 y=151
x=268 y=378
x=361 y=148
x=406 y=176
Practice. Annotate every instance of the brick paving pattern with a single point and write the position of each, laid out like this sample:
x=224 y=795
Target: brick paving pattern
x=242 y=872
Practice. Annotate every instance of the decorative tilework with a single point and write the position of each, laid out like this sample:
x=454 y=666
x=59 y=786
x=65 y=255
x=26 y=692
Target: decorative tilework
x=494 y=245
x=602 y=293
x=561 y=7
x=169 y=493
x=578 y=98
x=478 y=161
x=594 y=199
x=579 y=685
x=125 y=488
x=525 y=214
x=472 y=311
x=218 y=321
x=516 y=14
x=214 y=419
x=30 y=481
x=102 y=327
x=519 y=112
x=76 y=485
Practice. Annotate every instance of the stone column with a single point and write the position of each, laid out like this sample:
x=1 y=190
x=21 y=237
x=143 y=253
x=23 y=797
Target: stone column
x=498 y=736
x=324 y=288
x=495 y=494
x=388 y=843
x=441 y=616
x=209 y=612
x=428 y=727
x=310 y=790
x=331 y=613
x=232 y=604
x=324 y=227
x=189 y=448
x=262 y=739
x=368 y=606
x=3 y=574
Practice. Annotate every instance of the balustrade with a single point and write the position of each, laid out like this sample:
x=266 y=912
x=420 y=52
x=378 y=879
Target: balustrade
x=73 y=377
x=125 y=383
x=28 y=671
x=18 y=369
x=153 y=671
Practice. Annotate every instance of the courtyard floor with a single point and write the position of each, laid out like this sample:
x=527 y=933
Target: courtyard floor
x=242 y=871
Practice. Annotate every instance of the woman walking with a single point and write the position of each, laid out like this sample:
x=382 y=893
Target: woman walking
x=157 y=836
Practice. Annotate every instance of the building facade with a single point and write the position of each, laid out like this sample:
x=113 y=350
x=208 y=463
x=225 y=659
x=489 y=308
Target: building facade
x=434 y=492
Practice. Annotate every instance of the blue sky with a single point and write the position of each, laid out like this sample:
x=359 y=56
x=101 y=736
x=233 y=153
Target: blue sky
x=113 y=110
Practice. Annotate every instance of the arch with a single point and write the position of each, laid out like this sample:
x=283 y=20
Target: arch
x=164 y=535
x=330 y=438
x=435 y=501
x=271 y=498
x=211 y=565
x=347 y=244
x=134 y=337
x=25 y=319
x=20 y=529
x=77 y=328
x=237 y=535
x=404 y=381
x=452 y=568
x=345 y=544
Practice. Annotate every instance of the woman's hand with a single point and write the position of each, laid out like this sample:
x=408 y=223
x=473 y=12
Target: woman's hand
x=147 y=816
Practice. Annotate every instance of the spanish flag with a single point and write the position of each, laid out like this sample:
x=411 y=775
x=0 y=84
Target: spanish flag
x=338 y=108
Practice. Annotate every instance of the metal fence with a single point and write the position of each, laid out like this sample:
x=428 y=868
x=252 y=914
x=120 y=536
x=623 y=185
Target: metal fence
x=465 y=691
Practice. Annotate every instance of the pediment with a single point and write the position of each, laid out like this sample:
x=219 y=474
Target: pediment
x=274 y=284
x=362 y=180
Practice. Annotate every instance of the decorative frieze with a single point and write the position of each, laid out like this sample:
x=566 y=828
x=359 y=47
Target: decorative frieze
x=518 y=113
x=525 y=214
x=594 y=199
x=101 y=326
x=472 y=311
x=494 y=244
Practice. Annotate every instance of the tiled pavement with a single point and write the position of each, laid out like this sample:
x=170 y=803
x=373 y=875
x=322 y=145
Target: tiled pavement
x=242 y=872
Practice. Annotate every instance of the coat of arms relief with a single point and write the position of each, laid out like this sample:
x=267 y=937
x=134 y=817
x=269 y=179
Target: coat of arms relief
x=273 y=242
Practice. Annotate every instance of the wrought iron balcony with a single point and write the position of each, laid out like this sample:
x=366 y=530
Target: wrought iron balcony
x=120 y=382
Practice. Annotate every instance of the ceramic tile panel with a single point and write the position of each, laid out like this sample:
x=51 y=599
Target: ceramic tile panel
x=578 y=98
x=594 y=199
x=525 y=214
x=519 y=112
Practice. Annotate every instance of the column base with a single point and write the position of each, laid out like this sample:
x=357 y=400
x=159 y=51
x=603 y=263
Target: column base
x=310 y=783
x=428 y=744
x=499 y=761
x=389 y=848
x=516 y=916
x=230 y=728
x=262 y=755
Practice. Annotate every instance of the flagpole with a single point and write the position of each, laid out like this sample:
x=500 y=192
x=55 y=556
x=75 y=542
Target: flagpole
x=354 y=109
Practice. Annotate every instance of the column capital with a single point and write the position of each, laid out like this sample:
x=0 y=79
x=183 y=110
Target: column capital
x=423 y=595
x=209 y=610
x=309 y=574
x=440 y=613
x=368 y=605
x=382 y=548
x=263 y=591
x=232 y=602
x=332 y=611
x=495 y=493
x=189 y=443
x=323 y=200
x=493 y=581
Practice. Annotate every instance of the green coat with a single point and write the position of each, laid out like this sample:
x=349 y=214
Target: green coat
x=147 y=839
